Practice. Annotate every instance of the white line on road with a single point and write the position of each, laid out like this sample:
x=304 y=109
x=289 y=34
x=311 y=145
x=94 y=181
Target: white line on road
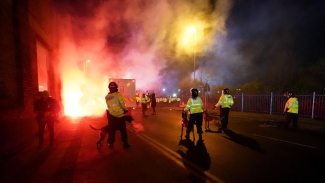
x=178 y=159
x=285 y=141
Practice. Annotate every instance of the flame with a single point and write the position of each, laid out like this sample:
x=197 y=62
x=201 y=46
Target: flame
x=82 y=97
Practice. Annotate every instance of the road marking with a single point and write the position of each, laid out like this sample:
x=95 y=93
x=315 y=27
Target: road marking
x=178 y=159
x=285 y=141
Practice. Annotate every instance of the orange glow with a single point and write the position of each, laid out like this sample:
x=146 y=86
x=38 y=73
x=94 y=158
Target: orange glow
x=83 y=97
x=86 y=59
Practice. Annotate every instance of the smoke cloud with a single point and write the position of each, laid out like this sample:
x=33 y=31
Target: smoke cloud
x=153 y=41
x=147 y=40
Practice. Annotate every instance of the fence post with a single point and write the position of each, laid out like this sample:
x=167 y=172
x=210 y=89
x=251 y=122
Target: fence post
x=313 y=106
x=242 y=102
x=271 y=103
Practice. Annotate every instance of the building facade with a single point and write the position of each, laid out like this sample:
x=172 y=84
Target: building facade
x=28 y=41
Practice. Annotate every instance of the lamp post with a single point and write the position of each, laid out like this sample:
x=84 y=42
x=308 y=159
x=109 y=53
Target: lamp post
x=193 y=30
x=86 y=67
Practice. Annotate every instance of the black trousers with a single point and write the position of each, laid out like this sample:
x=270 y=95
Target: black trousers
x=41 y=128
x=196 y=119
x=114 y=125
x=144 y=108
x=224 y=114
x=291 y=116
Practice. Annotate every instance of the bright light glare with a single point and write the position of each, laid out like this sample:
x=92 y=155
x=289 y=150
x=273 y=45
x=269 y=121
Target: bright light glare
x=192 y=29
x=72 y=108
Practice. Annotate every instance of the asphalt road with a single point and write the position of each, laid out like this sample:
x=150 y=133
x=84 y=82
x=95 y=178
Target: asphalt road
x=249 y=152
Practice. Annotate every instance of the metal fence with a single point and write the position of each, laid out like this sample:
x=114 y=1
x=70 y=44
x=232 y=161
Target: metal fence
x=310 y=105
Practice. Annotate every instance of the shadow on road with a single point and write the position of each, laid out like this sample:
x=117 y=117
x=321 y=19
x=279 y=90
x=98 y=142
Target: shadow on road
x=243 y=140
x=195 y=158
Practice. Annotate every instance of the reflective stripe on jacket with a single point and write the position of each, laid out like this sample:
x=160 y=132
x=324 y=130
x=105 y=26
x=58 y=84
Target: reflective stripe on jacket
x=225 y=101
x=194 y=105
x=292 y=104
x=115 y=104
x=145 y=99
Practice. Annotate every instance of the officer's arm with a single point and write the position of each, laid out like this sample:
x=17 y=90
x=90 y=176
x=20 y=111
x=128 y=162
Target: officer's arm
x=122 y=103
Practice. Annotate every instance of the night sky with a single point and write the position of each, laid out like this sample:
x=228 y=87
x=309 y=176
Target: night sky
x=240 y=40
x=262 y=29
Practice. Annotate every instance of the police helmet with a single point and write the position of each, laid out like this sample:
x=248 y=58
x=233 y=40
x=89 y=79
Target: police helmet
x=194 y=92
x=225 y=91
x=290 y=94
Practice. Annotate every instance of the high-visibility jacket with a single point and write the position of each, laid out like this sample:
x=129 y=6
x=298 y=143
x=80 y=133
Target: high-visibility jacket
x=292 y=105
x=137 y=97
x=145 y=99
x=225 y=101
x=115 y=104
x=194 y=105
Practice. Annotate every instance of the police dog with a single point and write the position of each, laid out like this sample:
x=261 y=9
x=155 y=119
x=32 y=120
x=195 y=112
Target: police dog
x=184 y=121
x=104 y=131
x=207 y=118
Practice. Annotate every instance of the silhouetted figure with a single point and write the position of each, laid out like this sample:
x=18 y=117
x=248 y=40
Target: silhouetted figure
x=225 y=102
x=194 y=106
x=116 y=109
x=153 y=103
x=46 y=109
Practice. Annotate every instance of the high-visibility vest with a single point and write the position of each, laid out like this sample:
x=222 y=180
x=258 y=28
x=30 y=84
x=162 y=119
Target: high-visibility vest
x=137 y=97
x=145 y=99
x=194 y=105
x=292 y=104
x=225 y=101
x=115 y=104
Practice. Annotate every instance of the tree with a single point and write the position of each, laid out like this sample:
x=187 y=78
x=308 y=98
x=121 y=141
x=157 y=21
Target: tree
x=319 y=67
x=252 y=87
x=282 y=73
x=216 y=92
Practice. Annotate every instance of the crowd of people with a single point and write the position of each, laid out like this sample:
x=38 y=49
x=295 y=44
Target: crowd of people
x=194 y=108
x=47 y=109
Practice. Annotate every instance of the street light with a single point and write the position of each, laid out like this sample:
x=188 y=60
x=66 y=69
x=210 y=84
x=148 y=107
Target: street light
x=86 y=67
x=193 y=30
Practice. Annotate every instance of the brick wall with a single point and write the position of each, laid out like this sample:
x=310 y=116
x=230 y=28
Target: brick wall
x=24 y=22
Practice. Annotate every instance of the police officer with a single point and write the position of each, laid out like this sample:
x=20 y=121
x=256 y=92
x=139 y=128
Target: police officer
x=116 y=109
x=194 y=106
x=137 y=98
x=46 y=109
x=291 y=111
x=144 y=100
x=225 y=102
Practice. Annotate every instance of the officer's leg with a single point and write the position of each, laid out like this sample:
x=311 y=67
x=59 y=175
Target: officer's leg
x=122 y=128
x=286 y=121
x=189 y=126
x=41 y=127
x=199 y=120
x=111 y=133
x=295 y=120
x=226 y=114
x=222 y=117
x=50 y=125
x=124 y=135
